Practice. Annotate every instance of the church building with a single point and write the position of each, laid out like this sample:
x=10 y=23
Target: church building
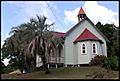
x=81 y=43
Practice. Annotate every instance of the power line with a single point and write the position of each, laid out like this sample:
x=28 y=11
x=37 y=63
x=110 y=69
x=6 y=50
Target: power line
x=55 y=16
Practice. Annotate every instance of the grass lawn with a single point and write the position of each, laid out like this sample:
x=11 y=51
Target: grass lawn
x=68 y=73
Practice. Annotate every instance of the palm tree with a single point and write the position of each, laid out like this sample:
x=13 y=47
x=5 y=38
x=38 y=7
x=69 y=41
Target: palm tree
x=19 y=42
x=29 y=39
x=39 y=27
x=43 y=38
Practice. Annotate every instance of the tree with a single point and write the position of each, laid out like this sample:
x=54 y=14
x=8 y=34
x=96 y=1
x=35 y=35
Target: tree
x=112 y=33
x=26 y=41
x=2 y=67
x=43 y=38
x=15 y=45
x=39 y=43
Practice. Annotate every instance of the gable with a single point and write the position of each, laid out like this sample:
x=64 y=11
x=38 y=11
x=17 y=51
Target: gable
x=81 y=22
x=87 y=35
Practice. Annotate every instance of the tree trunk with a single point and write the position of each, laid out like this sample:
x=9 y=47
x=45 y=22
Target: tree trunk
x=45 y=65
x=44 y=59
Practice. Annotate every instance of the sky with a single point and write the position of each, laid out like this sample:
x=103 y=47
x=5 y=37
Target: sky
x=62 y=13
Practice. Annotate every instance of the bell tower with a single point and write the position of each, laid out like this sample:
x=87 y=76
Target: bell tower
x=81 y=15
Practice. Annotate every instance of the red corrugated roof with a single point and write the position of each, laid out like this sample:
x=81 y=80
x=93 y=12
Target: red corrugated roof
x=86 y=35
x=81 y=11
x=60 y=34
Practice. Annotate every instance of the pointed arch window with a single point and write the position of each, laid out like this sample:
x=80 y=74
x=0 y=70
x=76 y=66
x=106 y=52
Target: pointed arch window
x=83 y=48
x=94 y=48
x=52 y=52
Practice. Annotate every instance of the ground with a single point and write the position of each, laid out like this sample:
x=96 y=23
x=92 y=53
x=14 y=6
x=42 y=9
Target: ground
x=68 y=73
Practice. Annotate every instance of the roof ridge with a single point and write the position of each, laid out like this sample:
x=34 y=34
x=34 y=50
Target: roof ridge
x=74 y=27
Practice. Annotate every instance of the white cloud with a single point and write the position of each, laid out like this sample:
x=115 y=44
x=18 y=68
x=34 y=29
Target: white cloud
x=25 y=10
x=71 y=15
x=95 y=12
x=31 y=9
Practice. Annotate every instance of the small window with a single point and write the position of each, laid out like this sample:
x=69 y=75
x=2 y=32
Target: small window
x=94 y=48
x=83 y=48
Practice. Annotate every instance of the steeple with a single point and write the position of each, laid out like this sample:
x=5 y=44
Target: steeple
x=81 y=14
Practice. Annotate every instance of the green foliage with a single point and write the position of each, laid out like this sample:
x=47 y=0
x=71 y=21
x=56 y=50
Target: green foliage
x=112 y=33
x=23 y=35
x=3 y=67
x=9 y=68
x=97 y=60
x=26 y=41
x=111 y=63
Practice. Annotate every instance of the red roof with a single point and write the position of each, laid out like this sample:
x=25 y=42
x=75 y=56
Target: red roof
x=60 y=34
x=86 y=35
x=81 y=11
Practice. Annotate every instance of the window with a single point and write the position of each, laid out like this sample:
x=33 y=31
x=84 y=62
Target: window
x=83 y=48
x=94 y=48
x=59 y=52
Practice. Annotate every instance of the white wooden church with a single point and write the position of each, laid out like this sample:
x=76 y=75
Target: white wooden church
x=81 y=43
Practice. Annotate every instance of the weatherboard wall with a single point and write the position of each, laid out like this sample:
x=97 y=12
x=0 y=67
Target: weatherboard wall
x=70 y=51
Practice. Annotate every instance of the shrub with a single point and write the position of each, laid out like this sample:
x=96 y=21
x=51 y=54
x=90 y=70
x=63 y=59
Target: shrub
x=97 y=60
x=111 y=62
